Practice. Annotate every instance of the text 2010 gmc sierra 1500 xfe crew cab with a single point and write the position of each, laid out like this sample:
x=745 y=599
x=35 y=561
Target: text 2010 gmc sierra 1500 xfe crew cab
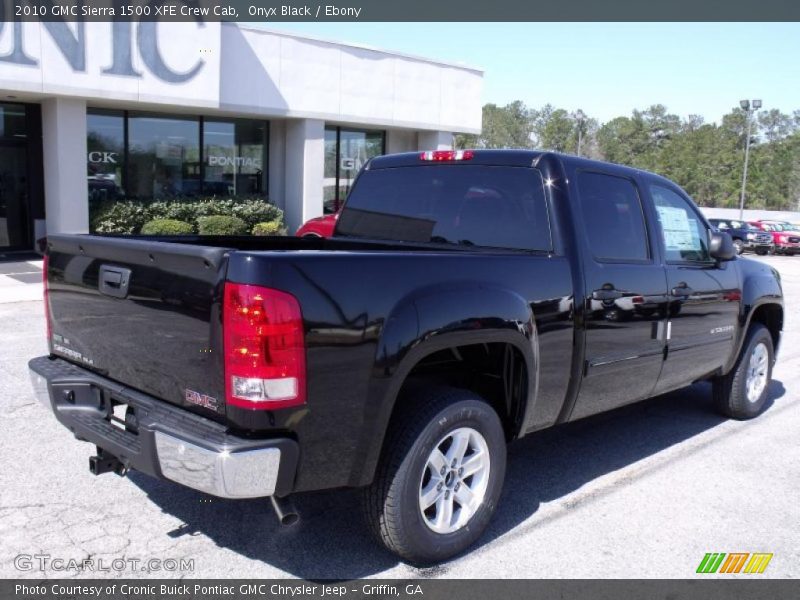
x=467 y=299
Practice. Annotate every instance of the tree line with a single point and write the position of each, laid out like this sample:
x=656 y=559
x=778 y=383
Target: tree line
x=706 y=159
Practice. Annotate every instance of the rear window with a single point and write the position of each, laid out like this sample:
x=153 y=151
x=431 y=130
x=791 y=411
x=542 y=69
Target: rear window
x=468 y=205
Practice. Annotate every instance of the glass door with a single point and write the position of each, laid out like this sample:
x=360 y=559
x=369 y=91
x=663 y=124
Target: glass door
x=346 y=151
x=14 y=218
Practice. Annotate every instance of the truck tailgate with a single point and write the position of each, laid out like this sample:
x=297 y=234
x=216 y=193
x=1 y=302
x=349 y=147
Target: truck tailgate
x=144 y=313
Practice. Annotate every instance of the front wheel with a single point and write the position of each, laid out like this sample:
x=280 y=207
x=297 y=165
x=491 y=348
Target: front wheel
x=738 y=245
x=742 y=393
x=440 y=477
x=762 y=251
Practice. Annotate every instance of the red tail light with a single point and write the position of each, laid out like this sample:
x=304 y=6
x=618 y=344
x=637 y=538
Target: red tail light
x=445 y=155
x=45 y=297
x=265 y=356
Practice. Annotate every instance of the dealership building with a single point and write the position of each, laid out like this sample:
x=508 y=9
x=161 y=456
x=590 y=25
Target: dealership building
x=97 y=112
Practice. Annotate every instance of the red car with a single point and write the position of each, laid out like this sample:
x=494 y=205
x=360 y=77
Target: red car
x=318 y=227
x=786 y=238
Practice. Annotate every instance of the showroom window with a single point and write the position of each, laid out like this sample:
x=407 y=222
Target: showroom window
x=105 y=141
x=234 y=157
x=13 y=122
x=346 y=151
x=163 y=157
x=147 y=156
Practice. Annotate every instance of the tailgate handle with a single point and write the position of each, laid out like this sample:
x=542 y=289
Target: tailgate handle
x=114 y=281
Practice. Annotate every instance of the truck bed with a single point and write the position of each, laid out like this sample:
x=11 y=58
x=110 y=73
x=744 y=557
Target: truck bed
x=360 y=302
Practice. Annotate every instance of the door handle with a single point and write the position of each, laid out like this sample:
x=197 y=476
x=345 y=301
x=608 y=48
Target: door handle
x=606 y=294
x=682 y=291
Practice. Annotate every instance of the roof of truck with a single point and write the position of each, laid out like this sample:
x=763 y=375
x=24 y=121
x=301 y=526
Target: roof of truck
x=512 y=157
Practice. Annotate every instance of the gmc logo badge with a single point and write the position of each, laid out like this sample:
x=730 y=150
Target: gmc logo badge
x=199 y=399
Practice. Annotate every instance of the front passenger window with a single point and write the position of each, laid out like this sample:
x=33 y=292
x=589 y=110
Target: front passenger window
x=684 y=234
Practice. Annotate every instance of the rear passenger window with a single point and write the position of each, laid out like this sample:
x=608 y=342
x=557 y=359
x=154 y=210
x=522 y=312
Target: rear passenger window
x=612 y=213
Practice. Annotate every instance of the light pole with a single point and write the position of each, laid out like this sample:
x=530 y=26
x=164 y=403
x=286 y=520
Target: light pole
x=749 y=109
x=579 y=116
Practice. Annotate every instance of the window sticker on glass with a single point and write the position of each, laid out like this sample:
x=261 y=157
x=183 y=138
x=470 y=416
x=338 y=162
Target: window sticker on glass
x=679 y=233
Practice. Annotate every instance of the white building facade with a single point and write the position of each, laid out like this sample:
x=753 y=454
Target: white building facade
x=93 y=112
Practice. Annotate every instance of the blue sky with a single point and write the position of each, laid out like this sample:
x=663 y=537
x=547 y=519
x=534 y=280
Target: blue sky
x=607 y=69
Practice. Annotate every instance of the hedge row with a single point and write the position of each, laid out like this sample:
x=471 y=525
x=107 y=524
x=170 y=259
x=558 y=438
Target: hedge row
x=130 y=216
x=213 y=225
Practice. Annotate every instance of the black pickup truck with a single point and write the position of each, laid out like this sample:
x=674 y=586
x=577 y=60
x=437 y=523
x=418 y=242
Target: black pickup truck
x=466 y=299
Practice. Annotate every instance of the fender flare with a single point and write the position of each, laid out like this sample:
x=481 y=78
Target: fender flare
x=399 y=351
x=760 y=287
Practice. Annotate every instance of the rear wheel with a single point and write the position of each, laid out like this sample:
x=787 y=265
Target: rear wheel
x=739 y=245
x=440 y=478
x=742 y=393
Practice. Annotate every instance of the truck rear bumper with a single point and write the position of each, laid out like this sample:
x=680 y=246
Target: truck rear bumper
x=160 y=439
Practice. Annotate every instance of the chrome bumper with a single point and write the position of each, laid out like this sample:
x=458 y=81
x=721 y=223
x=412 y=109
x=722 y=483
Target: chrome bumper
x=40 y=391
x=246 y=474
x=170 y=442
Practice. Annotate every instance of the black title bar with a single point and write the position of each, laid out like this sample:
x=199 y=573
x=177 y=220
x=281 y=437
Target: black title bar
x=702 y=588
x=265 y=11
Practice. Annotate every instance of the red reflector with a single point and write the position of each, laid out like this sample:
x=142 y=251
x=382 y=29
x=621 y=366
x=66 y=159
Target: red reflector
x=445 y=155
x=265 y=356
x=45 y=297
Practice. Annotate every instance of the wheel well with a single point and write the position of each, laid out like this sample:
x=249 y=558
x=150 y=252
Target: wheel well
x=497 y=372
x=771 y=316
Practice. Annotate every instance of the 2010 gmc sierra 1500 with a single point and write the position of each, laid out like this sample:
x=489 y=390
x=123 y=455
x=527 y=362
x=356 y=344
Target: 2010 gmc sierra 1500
x=467 y=298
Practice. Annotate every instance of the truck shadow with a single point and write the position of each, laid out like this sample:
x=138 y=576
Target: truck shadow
x=331 y=540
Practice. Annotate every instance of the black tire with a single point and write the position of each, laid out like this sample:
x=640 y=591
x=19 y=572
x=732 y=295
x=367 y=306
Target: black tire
x=762 y=251
x=739 y=245
x=392 y=502
x=730 y=391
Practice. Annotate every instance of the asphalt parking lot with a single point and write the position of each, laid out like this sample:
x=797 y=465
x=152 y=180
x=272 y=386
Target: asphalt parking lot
x=641 y=492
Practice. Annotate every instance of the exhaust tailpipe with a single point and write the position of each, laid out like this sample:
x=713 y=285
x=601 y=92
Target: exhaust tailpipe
x=285 y=511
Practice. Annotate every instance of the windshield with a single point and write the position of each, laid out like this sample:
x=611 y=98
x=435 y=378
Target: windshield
x=458 y=204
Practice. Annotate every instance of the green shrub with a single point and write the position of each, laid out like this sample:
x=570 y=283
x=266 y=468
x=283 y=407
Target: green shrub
x=269 y=228
x=221 y=225
x=124 y=216
x=129 y=216
x=255 y=211
x=166 y=227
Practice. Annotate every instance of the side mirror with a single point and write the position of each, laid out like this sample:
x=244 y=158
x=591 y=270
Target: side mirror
x=720 y=246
